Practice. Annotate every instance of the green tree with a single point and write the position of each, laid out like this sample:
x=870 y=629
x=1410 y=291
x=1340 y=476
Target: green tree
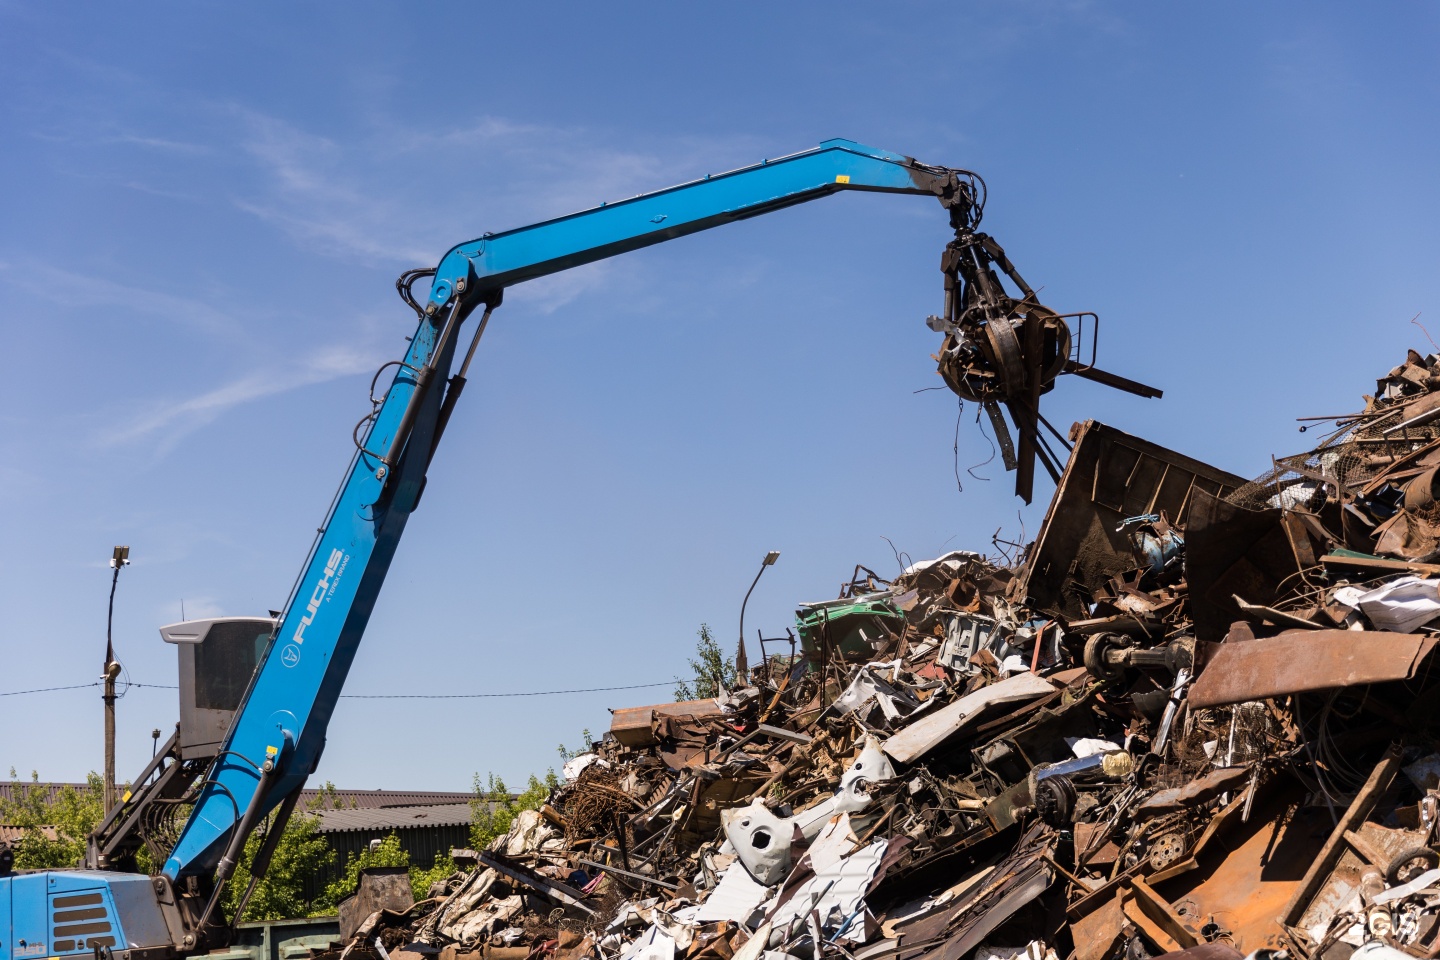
x=567 y=753
x=714 y=672
x=386 y=853
x=494 y=809
x=301 y=855
x=54 y=830
x=422 y=879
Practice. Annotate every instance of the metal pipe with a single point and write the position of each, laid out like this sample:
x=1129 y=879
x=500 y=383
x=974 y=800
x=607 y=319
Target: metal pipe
x=263 y=856
x=226 y=867
x=626 y=873
x=423 y=379
x=1182 y=678
x=1419 y=420
x=457 y=382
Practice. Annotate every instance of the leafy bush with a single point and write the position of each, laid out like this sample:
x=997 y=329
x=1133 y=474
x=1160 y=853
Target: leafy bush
x=493 y=810
x=714 y=672
x=70 y=816
x=386 y=853
x=301 y=855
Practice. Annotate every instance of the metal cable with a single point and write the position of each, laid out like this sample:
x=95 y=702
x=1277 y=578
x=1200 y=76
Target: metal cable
x=391 y=696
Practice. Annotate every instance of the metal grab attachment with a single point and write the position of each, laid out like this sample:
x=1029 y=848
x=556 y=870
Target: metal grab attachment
x=1007 y=350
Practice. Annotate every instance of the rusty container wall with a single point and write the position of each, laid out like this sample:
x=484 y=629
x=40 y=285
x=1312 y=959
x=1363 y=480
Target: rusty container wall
x=1110 y=476
x=632 y=725
x=1233 y=551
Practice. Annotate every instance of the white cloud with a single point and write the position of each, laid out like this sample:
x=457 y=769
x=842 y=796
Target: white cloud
x=170 y=420
x=64 y=288
x=547 y=294
x=398 y=196
x=310 y=190
x=161 y=143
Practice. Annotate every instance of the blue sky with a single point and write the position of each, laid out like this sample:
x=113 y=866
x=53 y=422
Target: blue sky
x=203 y=208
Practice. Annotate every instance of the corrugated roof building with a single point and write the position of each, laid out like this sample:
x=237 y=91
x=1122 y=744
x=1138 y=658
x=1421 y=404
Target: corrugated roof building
x=363 y=799
x=425 y=831
x=427 y=823
x=387 y=799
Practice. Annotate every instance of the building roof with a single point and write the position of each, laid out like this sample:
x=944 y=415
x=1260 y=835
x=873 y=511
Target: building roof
x=380 y=799
x=51 y=789
x=10 y=834
x=394 y=818
x=361 y=799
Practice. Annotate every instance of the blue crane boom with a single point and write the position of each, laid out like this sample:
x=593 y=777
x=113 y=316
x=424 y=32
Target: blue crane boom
x=285 y=716
x=278 y=731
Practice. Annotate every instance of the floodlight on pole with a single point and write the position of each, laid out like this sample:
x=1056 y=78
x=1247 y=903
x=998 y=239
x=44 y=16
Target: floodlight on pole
x=741 y=661
x=119 y=558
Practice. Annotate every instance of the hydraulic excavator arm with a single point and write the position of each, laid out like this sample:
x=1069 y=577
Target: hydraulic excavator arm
x=279 y=732
x=279 y=723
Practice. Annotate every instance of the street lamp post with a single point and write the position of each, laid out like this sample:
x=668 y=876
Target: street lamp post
x=742 y=664
x=120 y=559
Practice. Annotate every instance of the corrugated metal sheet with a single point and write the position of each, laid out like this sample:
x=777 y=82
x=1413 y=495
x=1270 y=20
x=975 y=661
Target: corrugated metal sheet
x=372 y=799
x=394 y=818
x=362 y=799
x=424 y=841
x=9 y=790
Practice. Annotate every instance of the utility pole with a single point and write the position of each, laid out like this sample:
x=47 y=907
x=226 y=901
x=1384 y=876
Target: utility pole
x=120 y=559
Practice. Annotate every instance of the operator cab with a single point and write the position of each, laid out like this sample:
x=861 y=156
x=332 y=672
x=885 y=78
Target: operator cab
x=217 y=659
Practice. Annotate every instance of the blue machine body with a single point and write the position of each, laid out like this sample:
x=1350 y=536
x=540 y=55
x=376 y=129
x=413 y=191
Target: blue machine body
x=55 y=913
x=279 y=732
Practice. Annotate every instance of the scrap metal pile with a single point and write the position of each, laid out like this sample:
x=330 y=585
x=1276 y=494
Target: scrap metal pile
x=1198 y=713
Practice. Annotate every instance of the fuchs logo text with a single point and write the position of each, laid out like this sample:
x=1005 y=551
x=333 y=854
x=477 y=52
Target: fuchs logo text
x=318 y=596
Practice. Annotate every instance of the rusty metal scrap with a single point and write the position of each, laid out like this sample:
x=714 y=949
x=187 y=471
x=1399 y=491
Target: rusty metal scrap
x=1302 y=660
x=1197 y=717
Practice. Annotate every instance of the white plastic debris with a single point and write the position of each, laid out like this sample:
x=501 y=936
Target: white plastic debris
x=1089 y=746
x=1297 y=494
x=761 y=840
x=755 y=946
x=653 y=944
x=836 y=893
x=735 y=898
x=528 y=834
x=868 y=768
x=1401 y=605
x=1375 y=950
x=927 y=733
x=577 y=764
x=1426 y=879
x=950 y=562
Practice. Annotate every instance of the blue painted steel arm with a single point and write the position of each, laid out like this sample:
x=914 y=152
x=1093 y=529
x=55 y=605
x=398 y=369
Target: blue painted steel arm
x=282 y=722
x=504 y=259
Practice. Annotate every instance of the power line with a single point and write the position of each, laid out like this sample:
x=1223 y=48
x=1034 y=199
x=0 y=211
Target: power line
x=477 y=696
x=388 y=696
x=78 y=686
